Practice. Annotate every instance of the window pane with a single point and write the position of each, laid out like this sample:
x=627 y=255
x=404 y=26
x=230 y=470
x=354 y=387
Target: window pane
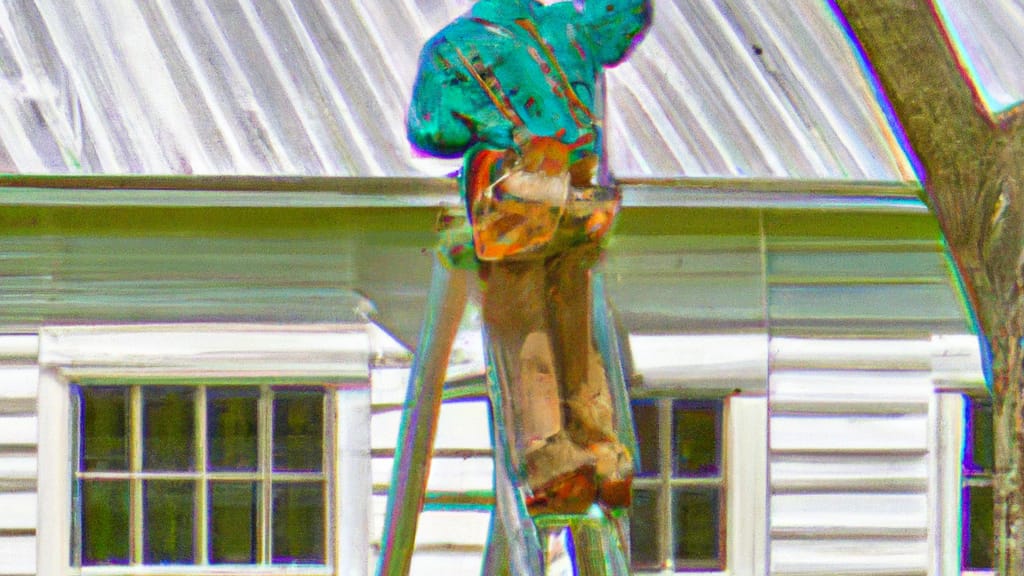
x=298 y=430
x=979 y=457
x=298 y=523
x=643 y=531
x=168 y=521
x=695 y=527
x=645 y=420
x=167 y=425
x=104 y=429
x=233 y=522
x=979 y=541
x=232 y=425
x=696 y=439
x=104 y=523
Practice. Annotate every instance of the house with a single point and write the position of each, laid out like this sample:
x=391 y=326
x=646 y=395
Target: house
x=806 y=382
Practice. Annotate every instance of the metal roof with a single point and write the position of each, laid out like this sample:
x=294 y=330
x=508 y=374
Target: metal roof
x=319 y=87
x=987 y=38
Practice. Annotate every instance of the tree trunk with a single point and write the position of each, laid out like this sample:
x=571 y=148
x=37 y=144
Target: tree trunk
x=1008 y=366
x=974 y=178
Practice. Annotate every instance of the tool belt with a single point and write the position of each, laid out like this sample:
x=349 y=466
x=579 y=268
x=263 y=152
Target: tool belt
x=521 y=214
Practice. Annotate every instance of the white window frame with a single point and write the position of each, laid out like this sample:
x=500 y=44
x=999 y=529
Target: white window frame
x=948 y=477
x=956 y=372
x=732 y=368
x=335 y=355
x=743 y=476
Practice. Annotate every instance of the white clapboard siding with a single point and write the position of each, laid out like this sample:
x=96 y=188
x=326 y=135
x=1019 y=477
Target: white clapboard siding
x=18 y=437
x=18 y=433
x=839 y=557
x=17 y=555
x=850 y=441
x=849 y=433
x=19 y=512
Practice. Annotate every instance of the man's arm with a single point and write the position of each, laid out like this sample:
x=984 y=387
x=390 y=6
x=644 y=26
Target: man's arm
x=614 y=26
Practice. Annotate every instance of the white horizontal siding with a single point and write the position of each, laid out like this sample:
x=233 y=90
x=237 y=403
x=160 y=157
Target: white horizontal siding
x=823 y=473
x=850 y=457
x=18 y=555
x=19 y=376
x=439 y=529
x=432 y=563
x=18 y=432
x=17 y=471
x=18 y=385
x=19 y=511
x=838 y=557
x=849 y=433
x=829 y=515
x=446 y=474
x=842 y=354
x=17 y=468
x=18 y=389
x=850 y=391
x=18 y=347
x=461 y=426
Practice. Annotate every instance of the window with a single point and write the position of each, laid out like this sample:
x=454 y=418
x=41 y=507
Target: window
x=209 y=447
x=678 y=514
x=201 y=475
x=977 y=493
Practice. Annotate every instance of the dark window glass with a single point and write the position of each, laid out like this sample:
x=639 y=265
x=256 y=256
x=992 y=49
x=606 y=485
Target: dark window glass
x=979 y=457
x=298 y=430
x=695 y=527
x=645 y=420
x=105 y=523
x=298 y=523
x=978 y=530
x=167 y=428
x=168 y=507
x=233 y=522
x=643 y=531
x=168 y=521
x=979 y=540
x=232 y=428
x=696 y=439
x=104 y=428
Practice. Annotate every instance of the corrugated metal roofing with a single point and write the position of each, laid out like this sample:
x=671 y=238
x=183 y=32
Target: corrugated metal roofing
x=319 y=87
x=987 y=37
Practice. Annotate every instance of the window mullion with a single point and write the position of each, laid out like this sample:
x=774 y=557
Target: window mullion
x=266 y=465
x=665 y=536
x=135 y=541
x=330 y=448
x=202 y=534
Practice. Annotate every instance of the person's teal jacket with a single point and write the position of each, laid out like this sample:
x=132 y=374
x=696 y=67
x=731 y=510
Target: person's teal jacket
x=451 y=111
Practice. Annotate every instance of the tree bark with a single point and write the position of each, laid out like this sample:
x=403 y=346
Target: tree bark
x=974 y=179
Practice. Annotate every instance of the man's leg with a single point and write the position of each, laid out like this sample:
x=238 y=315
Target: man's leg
x=588 y=412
